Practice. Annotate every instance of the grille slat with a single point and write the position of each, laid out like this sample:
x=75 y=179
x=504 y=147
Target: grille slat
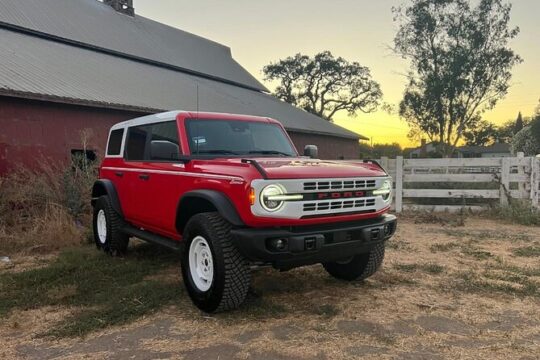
x=338 y=205
x=339 y=185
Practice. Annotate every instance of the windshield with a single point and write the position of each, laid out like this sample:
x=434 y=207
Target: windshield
x=235 y=137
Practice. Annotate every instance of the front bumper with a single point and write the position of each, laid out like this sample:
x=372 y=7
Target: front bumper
x=305 y=245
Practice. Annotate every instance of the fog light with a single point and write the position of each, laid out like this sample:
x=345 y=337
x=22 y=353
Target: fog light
x=278 y=244
x=388 y=228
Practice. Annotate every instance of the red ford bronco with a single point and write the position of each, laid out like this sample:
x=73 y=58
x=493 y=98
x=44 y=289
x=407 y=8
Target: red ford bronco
x=231 y=193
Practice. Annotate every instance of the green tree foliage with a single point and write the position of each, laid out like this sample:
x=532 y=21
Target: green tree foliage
x=460 y=64
x=535 y=125
x=485 y=133
x=519 y=125
x=524 y=141
x=324 y=85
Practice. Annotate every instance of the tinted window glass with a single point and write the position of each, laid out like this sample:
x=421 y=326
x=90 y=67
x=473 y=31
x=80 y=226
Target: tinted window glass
x=234 y=137
x=158 y=142
x=115 y=142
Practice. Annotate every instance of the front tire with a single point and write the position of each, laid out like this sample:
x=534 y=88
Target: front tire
x=359 y=267
x=107 y=225
x=215 y=274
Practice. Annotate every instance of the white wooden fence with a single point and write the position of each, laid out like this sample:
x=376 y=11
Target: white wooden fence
x=439 y=182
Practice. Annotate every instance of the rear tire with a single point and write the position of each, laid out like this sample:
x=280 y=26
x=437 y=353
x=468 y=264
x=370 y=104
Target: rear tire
x=215 y=274
x=359 y=267
x=107 y=225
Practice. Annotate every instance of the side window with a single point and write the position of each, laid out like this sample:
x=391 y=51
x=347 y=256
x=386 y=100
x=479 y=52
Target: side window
x=153 y=142
x=115 y=142
x=164 y=144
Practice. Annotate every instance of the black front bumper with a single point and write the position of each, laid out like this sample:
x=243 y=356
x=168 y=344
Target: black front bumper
x=298 y=246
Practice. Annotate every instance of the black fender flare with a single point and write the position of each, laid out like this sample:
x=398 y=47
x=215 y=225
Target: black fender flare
x=217 y=199
x=106 y=187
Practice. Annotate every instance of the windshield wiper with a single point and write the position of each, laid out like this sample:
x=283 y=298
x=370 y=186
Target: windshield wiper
x=270 y=152
x=219 y=151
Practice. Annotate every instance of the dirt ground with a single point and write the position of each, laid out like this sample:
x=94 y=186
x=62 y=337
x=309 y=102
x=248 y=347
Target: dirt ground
x=444 y=292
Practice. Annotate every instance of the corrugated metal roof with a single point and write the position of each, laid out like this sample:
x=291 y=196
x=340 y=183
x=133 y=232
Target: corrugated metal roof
x=33 y=67
x=94 y=23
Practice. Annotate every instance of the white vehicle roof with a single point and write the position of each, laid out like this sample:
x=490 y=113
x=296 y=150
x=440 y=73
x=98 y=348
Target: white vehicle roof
x=149 y=119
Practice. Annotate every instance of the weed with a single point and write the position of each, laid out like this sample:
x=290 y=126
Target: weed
x=105 y=290
x=520 y=212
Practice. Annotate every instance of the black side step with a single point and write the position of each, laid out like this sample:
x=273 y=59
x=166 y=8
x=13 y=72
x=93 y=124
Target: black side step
x=151 y=237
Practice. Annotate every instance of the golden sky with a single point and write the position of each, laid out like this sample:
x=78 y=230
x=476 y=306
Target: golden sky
x=261 y=31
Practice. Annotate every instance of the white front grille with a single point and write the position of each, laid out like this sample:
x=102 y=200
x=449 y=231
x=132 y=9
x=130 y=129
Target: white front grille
x=338 y=205
x=339 y=185
x=314 y=207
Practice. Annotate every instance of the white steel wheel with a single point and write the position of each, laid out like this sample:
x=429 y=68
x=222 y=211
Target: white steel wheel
x=201 y=264
x=101 y=225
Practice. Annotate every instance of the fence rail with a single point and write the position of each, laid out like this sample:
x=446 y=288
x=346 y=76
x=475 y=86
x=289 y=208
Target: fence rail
x=455 y=184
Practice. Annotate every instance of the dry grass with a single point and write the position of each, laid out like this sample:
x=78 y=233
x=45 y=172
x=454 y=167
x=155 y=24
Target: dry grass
x=44 y=209
x=438 y=296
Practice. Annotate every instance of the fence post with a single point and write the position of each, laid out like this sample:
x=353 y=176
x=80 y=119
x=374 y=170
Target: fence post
x=535 y=182
x=384 y=163
x=399 y=184
x=505 y=181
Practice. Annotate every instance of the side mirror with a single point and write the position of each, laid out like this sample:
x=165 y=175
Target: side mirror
x=311 y=151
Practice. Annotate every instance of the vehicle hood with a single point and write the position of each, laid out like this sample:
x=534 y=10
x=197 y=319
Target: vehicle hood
x=302 y=168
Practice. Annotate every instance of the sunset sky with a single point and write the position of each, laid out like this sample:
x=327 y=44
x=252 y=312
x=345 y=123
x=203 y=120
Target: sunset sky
x=262 y=31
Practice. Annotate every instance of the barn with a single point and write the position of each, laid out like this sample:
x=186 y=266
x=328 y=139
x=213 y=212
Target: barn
x=73 y=67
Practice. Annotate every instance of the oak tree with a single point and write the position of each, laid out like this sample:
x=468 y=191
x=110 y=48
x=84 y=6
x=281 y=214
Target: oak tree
x=324 y=85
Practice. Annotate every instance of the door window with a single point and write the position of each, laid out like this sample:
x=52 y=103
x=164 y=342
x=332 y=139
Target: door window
x=153 y=142
x=115 y=142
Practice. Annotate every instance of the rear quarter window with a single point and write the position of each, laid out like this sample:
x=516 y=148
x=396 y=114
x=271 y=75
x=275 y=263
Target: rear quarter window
x=115 y=142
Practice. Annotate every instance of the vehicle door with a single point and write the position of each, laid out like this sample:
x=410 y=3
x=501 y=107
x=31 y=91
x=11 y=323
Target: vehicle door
x=152 y=152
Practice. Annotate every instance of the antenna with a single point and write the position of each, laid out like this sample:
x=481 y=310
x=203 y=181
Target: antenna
x=197 y=123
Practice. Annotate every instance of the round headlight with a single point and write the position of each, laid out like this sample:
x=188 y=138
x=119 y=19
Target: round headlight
x=385 y=191
x=267 y=193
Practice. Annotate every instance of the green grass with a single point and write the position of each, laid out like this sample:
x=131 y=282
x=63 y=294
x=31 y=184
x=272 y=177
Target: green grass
x=500 y=278
x=429 y=268
x=467 y=248
x=104 y=291
x=443 y=247
x=527 y=251
x=476 y=253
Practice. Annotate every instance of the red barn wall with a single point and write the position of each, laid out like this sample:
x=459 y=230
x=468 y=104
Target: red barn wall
x=330 y=147
x=33 y=131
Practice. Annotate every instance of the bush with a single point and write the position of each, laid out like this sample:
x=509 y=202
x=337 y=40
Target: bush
x=45 y=209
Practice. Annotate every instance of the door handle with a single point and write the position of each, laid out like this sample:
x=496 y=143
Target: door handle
x=144 y=176
x=119 y=173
